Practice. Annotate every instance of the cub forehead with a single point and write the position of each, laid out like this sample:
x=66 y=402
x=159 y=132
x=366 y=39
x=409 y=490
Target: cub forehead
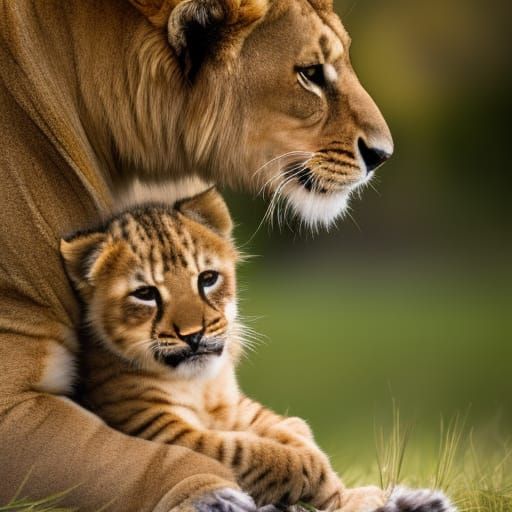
x=159 y=243
x=208 y=243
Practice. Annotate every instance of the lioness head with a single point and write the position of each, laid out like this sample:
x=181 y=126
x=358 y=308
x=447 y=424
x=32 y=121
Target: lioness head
x=267 y=99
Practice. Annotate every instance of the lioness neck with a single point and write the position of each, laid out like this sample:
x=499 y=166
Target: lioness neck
x=142 y=116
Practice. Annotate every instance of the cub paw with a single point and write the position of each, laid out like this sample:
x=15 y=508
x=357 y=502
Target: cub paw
x=226 y=500
x=298 y=426
x=363 y=499
x=417 y=500
x=322 y=488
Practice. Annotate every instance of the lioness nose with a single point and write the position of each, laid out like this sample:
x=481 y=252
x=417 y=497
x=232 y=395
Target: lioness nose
x=372 y=157
x=193 y=339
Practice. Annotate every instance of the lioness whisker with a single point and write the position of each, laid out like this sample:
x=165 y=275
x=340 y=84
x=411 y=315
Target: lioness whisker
x=279 y=175
x=274 y=203
x=287 y=178
x=307 y=154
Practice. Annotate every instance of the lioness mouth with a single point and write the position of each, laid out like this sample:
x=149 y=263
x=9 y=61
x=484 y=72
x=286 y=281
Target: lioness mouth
x=307 y=179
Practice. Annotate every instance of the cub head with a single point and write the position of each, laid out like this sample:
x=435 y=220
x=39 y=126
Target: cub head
x=158 y=284
x=269 y=100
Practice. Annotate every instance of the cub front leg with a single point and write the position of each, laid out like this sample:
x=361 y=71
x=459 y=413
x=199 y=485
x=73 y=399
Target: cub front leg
x=254 y=417
x=277 y=474
x=270 y=472
x=295 y=434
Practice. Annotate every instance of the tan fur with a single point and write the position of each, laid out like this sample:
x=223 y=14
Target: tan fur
x=92 y=94
x=135 y=377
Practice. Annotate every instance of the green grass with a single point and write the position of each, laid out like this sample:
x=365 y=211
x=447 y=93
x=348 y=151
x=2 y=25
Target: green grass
x=50 y=504
x=477 y=480
x=343 y=344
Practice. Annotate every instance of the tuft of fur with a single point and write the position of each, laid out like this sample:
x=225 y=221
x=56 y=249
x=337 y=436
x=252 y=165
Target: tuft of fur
x=59 y=370
x=167 y=192
x=403 y=499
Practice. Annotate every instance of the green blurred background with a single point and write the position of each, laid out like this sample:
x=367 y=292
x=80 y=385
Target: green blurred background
x=410 y=298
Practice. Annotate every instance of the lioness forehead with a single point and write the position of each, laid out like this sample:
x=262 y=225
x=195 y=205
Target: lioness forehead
x=333 y=37
x=321 y=27
x=324 y=9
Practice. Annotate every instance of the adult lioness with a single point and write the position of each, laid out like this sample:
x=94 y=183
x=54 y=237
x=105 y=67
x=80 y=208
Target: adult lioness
x=93 y=93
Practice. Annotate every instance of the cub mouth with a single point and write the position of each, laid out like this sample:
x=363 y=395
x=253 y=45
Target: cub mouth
x=187 y=355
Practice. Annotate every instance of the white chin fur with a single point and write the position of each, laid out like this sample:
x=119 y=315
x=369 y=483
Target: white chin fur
x=206 y=368
x=231 y=311
x=317 y=209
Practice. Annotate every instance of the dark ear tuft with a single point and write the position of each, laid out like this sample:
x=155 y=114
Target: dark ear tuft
x=208 y=208
x=193 y=30
x=199 y=29
x=79 y=254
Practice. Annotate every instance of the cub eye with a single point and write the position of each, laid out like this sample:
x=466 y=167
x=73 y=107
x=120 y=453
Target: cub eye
x=207 y=279
x=312 y=74
x=146 y=293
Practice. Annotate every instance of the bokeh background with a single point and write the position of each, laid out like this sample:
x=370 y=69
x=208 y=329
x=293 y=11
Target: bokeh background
x=409 y=299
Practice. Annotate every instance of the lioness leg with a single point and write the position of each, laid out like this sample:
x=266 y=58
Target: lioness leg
x=61 y=446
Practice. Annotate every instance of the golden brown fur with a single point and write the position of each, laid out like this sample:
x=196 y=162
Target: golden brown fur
x=91 y=94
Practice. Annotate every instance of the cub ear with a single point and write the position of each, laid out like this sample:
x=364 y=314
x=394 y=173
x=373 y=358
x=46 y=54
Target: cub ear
x=199 y=29
x=208 y=208
x=80 y=253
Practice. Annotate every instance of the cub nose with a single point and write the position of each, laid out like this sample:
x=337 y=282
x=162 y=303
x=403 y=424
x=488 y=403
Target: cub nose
x=372 y=157
x=193 y=339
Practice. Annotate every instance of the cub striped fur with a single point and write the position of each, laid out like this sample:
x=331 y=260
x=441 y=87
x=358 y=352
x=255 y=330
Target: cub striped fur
x=159 y=292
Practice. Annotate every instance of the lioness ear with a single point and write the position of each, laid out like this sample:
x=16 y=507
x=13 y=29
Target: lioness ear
x=322 y=5
x=208 y=208
x=199 y=29
x=79 y=254
x=156 y=11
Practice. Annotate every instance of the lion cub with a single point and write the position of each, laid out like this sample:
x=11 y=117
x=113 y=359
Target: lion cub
x=158 y=286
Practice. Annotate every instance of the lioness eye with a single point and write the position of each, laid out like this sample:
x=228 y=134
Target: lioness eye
x=314 y=74
x=146 y=293
x=207 y=279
